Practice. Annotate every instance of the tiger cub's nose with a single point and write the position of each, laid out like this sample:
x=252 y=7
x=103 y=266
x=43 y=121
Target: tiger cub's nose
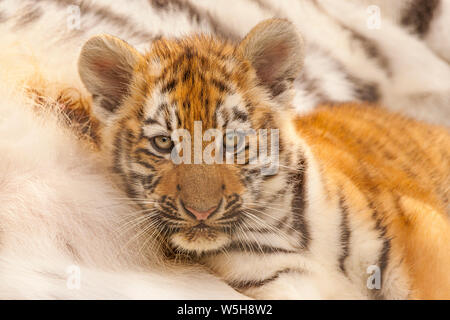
x=201 y=215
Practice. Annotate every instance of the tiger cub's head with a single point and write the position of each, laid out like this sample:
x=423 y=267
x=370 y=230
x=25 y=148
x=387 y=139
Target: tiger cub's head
x=213 y=92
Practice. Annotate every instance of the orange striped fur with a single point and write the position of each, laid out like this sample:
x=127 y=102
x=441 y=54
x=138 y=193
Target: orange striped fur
x=356 y=187
x=398 y=168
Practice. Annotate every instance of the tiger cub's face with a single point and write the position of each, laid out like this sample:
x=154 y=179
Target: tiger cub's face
x=149 y=104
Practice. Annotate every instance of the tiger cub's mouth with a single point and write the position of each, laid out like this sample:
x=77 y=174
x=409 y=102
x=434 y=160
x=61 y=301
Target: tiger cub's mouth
x=193 y=232
x=200 y=238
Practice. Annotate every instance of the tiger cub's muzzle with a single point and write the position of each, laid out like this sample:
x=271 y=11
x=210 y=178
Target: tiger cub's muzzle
x=205 y=205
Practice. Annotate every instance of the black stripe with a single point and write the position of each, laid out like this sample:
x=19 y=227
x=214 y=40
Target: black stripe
x=259 y=230
x=225 y=116
x=129 y=136
x=197 y=15
x=220 y=85
x=137 y=176
x=418 y=15
x=147 y=152
x=117 y=148
x=131 y=191
x=168 y=201
x=145 y=164
x=172 y=217
x=372 y=50
x=148 y=181
x=239 y=115
x=30 y=14
x=187 y=75
x=150 y=121
x=105 y=14
x=383 y=259
x=73 y=252
x=282 y=223
x=311 y=86
x=267 y=121
x=140 y=113
x=298 y=204
x=370 y=47
x=384 y=254
x=144 y=151
x=168 y=87
x=230 y=215
x=234 y=198
x=247 y=284
x=365 y=91
x=345 y=234
x=168 y=69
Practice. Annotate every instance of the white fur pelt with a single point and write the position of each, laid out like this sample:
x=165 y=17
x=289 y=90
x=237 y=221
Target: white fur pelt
x=57 y=208
x=436 y=34
x=345 y=59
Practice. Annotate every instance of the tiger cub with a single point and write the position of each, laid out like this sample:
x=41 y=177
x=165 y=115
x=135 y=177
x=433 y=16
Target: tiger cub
x=357 y=206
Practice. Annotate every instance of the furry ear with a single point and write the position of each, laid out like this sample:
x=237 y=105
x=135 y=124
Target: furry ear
x=106 y=66
x=275 y=50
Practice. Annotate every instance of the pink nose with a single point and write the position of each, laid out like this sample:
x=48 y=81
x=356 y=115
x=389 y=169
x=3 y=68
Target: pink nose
x=201 y=215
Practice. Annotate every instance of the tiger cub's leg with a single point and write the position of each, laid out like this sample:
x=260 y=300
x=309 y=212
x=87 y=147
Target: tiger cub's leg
x=296 y=285
x=282 y=276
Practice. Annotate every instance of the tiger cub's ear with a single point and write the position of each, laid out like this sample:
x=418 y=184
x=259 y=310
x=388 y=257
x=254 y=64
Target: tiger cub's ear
x=275 y=50
x=106 y=66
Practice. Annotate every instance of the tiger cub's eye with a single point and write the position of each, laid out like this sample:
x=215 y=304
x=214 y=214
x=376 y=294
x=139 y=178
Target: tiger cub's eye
x=233 y=141
x=162 y=144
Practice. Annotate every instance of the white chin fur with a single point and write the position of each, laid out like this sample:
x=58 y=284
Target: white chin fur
x=201 y=244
